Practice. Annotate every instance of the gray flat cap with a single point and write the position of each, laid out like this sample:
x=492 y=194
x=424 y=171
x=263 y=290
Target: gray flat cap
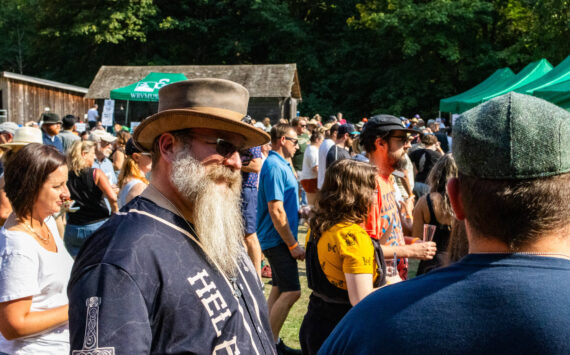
x=513 y=136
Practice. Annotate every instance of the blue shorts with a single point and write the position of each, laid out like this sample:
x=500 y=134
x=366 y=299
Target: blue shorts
x=249 y=209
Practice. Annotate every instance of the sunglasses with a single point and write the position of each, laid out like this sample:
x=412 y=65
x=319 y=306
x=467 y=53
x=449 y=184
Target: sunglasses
x=293 y=140
x=227 y=149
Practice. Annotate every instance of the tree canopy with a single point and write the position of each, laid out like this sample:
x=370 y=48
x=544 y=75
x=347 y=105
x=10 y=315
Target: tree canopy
x=358 y=57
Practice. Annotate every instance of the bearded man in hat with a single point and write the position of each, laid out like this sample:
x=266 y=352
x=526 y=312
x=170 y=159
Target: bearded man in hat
x=169 y=274
x=51 y=125
x=509 y=295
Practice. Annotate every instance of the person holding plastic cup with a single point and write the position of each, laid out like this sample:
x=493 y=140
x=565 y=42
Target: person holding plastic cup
x=434 y=210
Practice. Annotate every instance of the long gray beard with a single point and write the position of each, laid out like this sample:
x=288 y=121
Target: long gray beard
x=216 y=208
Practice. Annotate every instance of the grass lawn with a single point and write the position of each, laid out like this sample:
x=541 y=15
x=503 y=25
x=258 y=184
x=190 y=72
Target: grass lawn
x=290 y=330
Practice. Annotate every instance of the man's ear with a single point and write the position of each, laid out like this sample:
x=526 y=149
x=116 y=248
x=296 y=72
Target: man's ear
x=455 y=198
x=381 y=143
x=166 y=147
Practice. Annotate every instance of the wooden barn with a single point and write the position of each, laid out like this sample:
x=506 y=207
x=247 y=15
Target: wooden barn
x=273 y=88
x=23 y=98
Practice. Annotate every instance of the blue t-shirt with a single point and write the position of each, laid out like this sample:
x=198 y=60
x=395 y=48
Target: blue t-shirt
x=483 y=304
x=107 y=167
x=276 y=182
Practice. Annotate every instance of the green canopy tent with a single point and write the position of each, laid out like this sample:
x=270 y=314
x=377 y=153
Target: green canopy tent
x=558 y=94
x=530 y=73
x=451 y=104
x=557 y=75
x=146 y=89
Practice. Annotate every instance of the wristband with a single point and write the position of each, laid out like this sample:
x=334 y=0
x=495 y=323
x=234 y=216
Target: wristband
x=414 y=240
x=293 y=246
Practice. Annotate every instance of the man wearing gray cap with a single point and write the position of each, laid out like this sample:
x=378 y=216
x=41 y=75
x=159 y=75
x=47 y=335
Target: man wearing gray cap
x=168 y=274
x=509 y=295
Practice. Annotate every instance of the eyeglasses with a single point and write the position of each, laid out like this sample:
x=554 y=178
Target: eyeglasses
x=303 y=125
x=292 y=140
x=402 y=139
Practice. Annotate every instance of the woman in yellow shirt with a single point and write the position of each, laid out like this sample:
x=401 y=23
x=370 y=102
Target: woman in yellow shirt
x=343 y=265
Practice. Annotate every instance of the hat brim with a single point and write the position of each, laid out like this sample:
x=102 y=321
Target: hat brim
x=16 y=144
x=390 y=128
x=177 y=119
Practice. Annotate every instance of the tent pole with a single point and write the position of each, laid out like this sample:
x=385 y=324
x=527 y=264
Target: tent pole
x=127 y=115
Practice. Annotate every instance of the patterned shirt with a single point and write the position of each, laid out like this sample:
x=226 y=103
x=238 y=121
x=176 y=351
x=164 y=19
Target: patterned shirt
x=384 y=220
x=250 y=179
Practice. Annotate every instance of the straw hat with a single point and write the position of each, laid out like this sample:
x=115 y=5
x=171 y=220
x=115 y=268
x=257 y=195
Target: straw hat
x=24 y=136
x=200 y=103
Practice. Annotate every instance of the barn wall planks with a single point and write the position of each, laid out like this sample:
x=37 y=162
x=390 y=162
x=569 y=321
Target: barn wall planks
x=26 y=101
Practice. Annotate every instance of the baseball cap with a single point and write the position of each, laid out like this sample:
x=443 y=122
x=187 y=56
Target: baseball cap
x=100 y=135
x=513 y=136
x=9 y=127
x=346 y=128
x=381 y=124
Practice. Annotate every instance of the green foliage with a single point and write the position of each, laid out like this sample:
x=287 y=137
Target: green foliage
x=358 y=57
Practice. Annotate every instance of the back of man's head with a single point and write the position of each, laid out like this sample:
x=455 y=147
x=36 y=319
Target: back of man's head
x=68 y=121
x=513 y=156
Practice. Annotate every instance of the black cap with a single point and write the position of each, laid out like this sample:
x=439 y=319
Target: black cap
x=384 y=124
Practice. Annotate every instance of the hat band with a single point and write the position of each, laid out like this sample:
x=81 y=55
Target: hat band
x=215 y=111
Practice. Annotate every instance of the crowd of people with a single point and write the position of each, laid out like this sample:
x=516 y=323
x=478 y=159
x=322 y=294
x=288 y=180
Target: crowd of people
x=158 y=242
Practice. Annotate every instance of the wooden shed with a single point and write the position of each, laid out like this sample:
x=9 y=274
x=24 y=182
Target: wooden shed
x=23 y=98
x=273 y=88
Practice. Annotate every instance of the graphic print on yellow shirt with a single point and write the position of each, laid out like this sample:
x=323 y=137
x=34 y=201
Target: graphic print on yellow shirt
x=346 y=248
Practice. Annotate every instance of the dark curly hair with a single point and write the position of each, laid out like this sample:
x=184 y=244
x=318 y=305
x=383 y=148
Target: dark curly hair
x=346 y=195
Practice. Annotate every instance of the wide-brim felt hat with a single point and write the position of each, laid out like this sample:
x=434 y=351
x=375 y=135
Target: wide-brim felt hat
x=200 y=103
x=24 y=136
x=50 y=118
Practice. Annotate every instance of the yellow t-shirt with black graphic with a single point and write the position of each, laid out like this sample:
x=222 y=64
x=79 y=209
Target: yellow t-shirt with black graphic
x=346 y=248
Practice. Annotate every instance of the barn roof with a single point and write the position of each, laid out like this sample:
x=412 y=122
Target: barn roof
x=268 y=80
x=43 y=82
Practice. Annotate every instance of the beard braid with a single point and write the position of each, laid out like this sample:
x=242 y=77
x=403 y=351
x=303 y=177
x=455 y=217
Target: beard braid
x=217 y=212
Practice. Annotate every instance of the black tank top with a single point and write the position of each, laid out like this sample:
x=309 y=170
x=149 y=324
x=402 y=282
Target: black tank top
x=88 y=197
x=440 y=237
